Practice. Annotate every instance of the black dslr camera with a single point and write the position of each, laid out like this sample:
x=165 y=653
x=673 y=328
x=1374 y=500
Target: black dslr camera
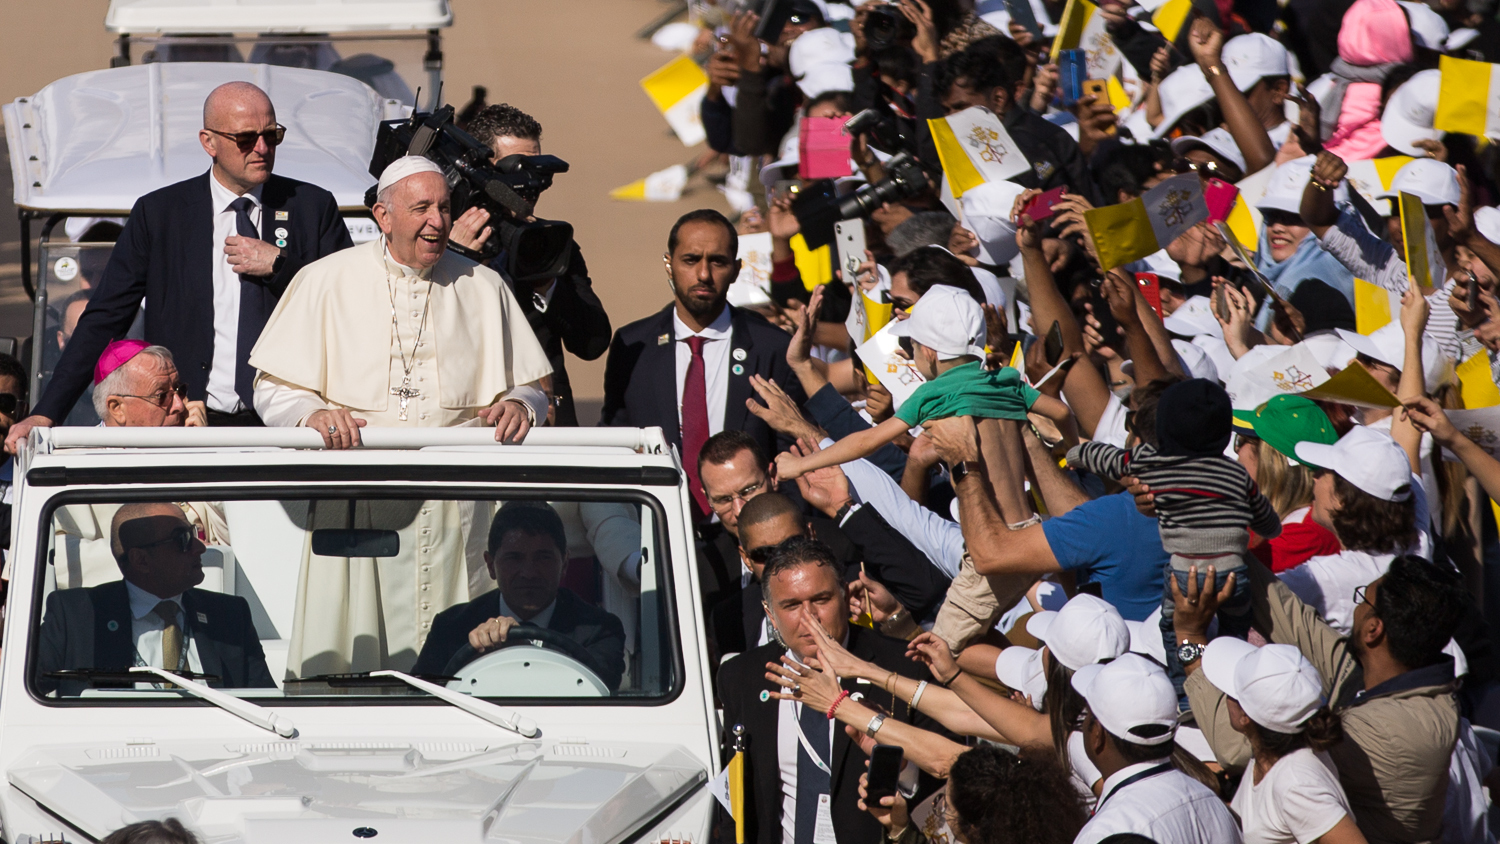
x=534 y=249
x=817 y=211
x=885 y=26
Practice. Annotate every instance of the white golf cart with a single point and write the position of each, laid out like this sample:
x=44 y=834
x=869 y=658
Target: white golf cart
x=528 y=743
x=86 y=147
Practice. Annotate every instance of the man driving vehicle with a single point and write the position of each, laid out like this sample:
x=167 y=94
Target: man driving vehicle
x=155 y=616
x=526 y=556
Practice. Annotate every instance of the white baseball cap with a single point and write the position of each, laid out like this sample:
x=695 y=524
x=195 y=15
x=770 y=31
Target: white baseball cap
x=1183 y=90
x=1410 y=111
x=1193 y=359
x=1132 y=698
x=1021 y=669
x=1217 y=141
x=1387 y=344
x=1085 y=631
x=1275 y=685
x=1432 y=181
x=1161 y=263
x=1428 y=29
x=1487 y=220
x=987 y=214
x=946 y=320
x=1366 y=458
x=824 y=77
x=1145 y=637
x=1193 y=317
x=1285 y=187
x=1251 y=58
x=817 y=46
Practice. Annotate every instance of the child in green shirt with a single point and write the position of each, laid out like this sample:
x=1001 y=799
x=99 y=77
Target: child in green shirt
x=947 y=331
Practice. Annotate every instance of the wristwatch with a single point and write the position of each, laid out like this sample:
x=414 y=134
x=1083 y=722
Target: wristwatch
x=958 y=471
x=874 y=726
x=1189 y=652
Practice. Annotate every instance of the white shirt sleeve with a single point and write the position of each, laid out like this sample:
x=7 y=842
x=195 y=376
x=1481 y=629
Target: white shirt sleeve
x=533 y=397
x=940 y=540
x=283 y=405
x=615 y=535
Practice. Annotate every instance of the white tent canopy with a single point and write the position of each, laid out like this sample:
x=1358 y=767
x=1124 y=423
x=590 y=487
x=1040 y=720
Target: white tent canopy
x=278 y=16
x=98 y=141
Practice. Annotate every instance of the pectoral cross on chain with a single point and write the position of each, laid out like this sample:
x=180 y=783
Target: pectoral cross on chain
x=406 y=392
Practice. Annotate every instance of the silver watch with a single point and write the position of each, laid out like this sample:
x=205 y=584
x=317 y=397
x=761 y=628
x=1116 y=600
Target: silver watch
x=875 y=724
x=1189 y=652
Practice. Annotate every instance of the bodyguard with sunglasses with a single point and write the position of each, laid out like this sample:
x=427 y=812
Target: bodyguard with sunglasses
x=210 y=257
x=154 y=616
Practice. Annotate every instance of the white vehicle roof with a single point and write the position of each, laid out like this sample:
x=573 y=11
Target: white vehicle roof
x=98 y=141
x=280 y=16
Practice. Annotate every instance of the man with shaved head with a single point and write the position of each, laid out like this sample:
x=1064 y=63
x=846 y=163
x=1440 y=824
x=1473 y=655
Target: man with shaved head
x=154 y=615
x=209 y=258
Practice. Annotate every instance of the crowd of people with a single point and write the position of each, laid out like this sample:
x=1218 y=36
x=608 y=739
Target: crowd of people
x=1106 y=574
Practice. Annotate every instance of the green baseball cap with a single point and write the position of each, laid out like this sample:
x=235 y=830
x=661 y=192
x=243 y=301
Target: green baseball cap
x=1286 y=420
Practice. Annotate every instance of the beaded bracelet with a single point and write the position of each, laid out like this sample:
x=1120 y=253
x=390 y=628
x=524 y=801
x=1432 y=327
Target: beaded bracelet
x=836 y=701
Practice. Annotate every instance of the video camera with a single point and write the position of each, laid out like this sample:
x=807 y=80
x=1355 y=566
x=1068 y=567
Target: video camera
x=535 y=250
x=817 y=211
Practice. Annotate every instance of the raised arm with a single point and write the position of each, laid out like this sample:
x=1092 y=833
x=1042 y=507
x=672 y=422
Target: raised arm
x=1207 y=43
x=1428 y=416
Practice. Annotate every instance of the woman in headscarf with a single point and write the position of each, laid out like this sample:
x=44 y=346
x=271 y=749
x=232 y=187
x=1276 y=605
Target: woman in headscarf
x=1374 y=40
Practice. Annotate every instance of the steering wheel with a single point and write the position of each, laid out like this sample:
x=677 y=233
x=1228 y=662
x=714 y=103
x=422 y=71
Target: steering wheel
x=526 y=634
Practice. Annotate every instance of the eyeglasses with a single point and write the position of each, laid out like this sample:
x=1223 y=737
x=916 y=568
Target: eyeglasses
x=719 y=502
x=761 y=555
x=1359 y=594
x=246 y=140
x=1242 y=440
x=9 y=404
x=161 y=398
x=183 y=535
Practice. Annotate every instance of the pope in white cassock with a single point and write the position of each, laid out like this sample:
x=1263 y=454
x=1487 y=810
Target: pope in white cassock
x=458 y=352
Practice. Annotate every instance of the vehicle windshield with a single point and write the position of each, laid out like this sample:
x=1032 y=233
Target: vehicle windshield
x=308 y=598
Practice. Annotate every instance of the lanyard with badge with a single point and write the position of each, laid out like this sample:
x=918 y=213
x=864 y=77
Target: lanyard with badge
x=1132 y=780
x=823 y=829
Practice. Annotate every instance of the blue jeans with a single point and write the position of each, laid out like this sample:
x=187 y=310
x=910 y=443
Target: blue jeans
x=1234 y=615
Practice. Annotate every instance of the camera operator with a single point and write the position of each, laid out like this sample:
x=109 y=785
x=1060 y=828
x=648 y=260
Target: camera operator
x=562 y=311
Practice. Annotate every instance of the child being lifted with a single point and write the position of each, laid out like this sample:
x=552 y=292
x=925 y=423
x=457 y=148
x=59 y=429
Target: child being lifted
x=947 y=332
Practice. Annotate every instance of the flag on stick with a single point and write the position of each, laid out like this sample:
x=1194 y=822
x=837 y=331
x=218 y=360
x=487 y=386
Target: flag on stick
x=974 y=148
x=1422 y=256
x=678 y=89
x=1132 y=230
x=1468 y=97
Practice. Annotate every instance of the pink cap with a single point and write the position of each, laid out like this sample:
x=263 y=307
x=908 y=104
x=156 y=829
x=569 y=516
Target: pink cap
x=115 y=355
x=1375 y=32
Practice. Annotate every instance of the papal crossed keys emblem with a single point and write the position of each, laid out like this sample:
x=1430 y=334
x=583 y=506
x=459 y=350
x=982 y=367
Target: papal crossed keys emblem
x=1293 y=380
x=983 y=139
x=1482 y=436
x=1175 y=207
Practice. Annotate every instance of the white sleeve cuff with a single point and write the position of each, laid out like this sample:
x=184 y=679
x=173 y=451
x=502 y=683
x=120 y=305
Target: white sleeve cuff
x=531 y=396
x=283 y=405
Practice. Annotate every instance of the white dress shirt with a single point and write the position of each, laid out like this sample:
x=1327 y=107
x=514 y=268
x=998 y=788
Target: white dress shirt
x=541 y=619
x=221 y=394
x=715 y=365
x=146 y=628
x=1168 y=808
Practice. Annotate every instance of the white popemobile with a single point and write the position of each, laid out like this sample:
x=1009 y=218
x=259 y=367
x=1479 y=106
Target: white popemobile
x=520 y=744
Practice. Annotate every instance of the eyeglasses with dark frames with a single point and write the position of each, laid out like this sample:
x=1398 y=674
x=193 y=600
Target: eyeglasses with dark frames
x=161 y=398
x=246 y=140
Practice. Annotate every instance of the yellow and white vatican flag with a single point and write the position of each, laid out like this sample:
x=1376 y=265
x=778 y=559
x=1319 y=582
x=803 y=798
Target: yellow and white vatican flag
x=1372 y=177
x=1424 y=263
x=678 y=89
x=1082 y=28
x=974 y=148
x=1132 y=230
x=1476 y=383
x=1168 y=15
x=1468 y=97
x=1374 y=306
x=661 y=186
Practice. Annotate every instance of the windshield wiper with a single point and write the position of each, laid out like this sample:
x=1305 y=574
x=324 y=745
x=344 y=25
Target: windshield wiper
x=365 y=678
x=472 y=705
x=266 y=719
x=95 y=676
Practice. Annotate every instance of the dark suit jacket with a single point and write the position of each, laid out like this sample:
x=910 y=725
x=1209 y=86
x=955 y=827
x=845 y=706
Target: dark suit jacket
x=741 y=681
x=600 y=633
x=574 y=319
x=91 y=628
x=166 y=255
x=640 y=376
x=735 y=622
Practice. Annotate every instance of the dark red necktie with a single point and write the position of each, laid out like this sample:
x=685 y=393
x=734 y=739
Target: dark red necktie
x=695 y=421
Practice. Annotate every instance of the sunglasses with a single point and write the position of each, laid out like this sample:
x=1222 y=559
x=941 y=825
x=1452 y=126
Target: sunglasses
x=183 y=535
x=246 y=140
x=9 y=404
x=1206 y=168
x=161 y=398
